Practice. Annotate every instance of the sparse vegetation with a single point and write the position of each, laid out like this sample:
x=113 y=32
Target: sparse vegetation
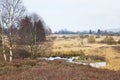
x=67 y=53
x=109 y=40
x=91 y=39
x=87 y=58
x=119 y=41
x=60 y=70
x=89 y=53
x=26 y=43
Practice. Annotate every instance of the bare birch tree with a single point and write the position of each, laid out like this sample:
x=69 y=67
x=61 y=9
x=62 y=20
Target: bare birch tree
x=13 y=10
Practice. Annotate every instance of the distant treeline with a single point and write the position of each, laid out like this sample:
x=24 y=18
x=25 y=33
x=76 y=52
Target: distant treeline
x=97 y=32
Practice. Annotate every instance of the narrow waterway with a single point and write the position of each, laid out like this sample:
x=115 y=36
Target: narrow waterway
x=71 y=60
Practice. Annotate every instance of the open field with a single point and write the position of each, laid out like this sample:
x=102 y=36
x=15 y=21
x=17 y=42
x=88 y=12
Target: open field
x=78 y=40
x=70 y=45
x=24 y=68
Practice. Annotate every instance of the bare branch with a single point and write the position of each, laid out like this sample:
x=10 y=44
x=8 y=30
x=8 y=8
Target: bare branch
x=12 y=10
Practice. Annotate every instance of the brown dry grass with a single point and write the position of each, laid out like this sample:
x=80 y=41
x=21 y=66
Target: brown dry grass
x=60 y=70
x=27 y=69
x=72 y=46
x=113 y=58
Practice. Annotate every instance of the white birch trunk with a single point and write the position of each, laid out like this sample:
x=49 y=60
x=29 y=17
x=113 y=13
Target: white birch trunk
x=10 y=54
x=4 y=56
x=10 y=26
x=3 y=44
x=12 y=11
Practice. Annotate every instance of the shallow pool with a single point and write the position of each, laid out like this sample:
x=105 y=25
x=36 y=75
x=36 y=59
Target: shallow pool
x=71 y=60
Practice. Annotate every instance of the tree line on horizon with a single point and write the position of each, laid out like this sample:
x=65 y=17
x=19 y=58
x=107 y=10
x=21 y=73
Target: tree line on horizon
x=94 y=32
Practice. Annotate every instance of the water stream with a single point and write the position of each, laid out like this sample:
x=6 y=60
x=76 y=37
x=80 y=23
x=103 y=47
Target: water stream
x=71 y=60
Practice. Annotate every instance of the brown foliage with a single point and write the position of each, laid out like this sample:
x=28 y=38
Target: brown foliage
x=20 y=54
x=25 y=32
x=60 y=70
x=28 y=31
x=91 y=39
x=109 y=40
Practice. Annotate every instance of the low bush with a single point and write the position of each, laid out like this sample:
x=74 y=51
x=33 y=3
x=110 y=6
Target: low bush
x=6 y=69
x=53 y=38
x=91 y=39
x=109 y=40
x=84 y=58
x=20 y=53
x=65 y=37
x=67 y=53
x=119 y=41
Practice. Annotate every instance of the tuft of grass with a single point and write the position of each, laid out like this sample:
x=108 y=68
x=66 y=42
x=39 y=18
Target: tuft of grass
x=88 y=58
x=70 y=53
x=91 y=39
x=109 y=40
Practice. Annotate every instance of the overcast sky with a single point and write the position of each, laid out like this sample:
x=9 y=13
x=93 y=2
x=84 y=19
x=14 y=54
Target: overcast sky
x=77 y=15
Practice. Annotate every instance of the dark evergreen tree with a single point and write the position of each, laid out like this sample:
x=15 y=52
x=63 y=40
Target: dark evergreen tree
x=25 y=32
x=39 y=31
x=99 y=32
x=90 y=32
x=28 y=31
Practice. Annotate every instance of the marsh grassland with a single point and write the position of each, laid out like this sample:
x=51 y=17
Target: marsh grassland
x=65 y=46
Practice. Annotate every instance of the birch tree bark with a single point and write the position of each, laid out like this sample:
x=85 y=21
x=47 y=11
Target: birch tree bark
x=12 y=11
